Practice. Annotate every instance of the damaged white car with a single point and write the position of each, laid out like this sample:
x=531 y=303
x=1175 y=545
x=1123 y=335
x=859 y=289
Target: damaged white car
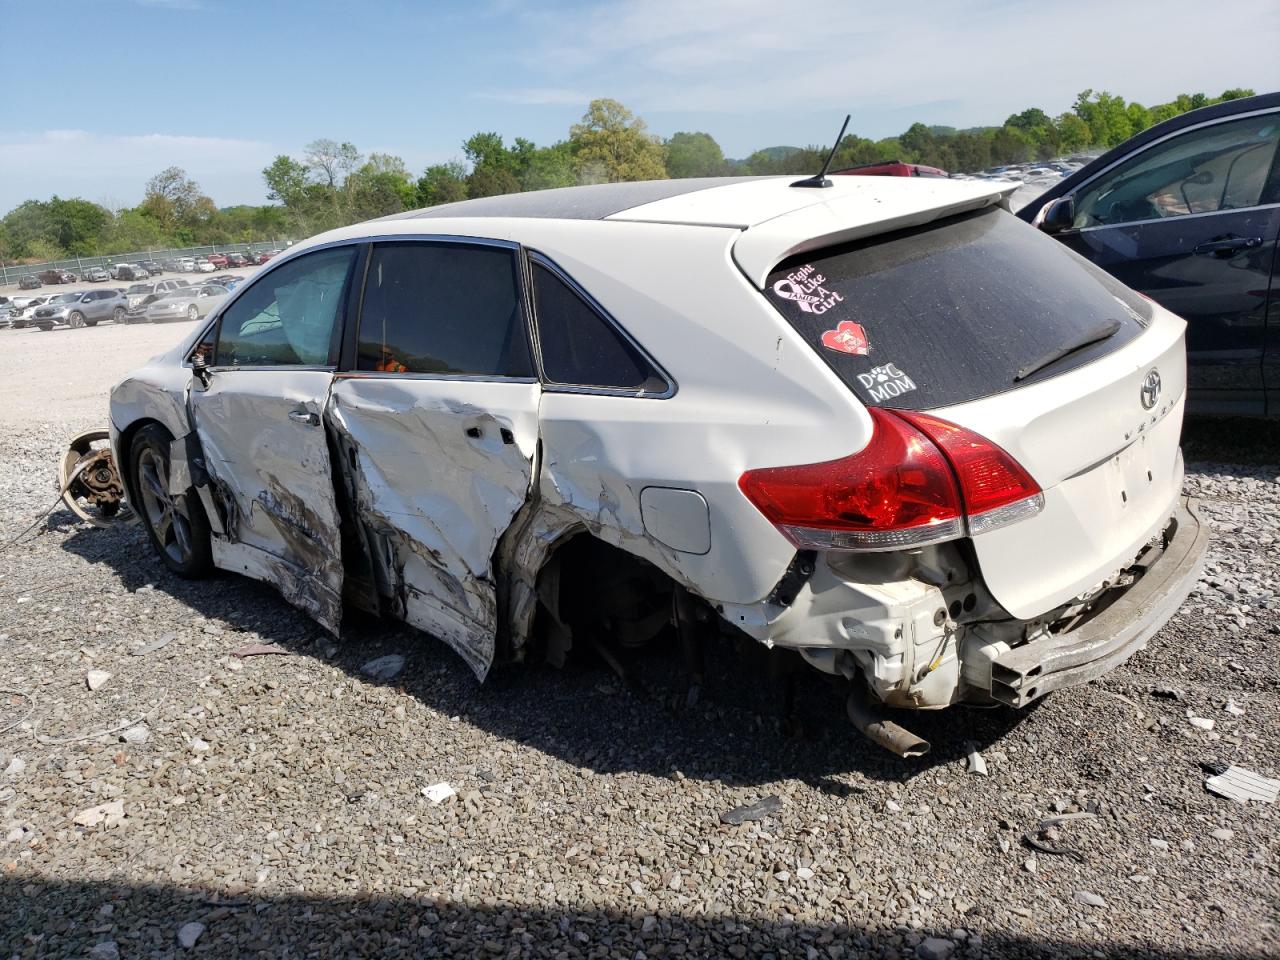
x=881 y=423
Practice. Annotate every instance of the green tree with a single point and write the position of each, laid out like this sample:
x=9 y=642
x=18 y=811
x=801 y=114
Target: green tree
x=286 y=180
x=540 y=168
x=27 y=224
x=442 y=183
x=611 y=144
x=1073 y=133
x=694 y=155
x=77 y=224
x=491 y=181
x=1236 y=93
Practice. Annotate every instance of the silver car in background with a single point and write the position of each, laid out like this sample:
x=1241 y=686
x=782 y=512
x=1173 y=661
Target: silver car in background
x=84 y=308
x=186 y=303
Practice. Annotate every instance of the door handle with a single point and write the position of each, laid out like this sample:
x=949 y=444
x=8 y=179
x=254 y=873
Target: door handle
x=1229 y=245
x=305 y=416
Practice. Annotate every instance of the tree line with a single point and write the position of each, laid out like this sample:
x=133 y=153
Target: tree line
x=332 y=184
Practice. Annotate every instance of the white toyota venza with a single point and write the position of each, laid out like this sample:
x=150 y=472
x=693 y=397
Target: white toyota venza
x=881 y=423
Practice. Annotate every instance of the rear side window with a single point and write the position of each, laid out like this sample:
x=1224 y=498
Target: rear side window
x=953 y=311
x=443 y=309
x=582 y=348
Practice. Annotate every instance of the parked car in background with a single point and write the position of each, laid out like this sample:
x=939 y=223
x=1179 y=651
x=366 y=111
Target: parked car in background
x=85 y=308
x=893 y=168
x=97 y=275
x=140 y=292
x=6 y=315
x=202 y=265
x=29 y=281
x=129 y=271
x=264 y=257
x=188 y=303
x=21 y=316
x=172 y=265
x=1188 y=213
x=152 y=267
x=938 y=463
x=237 y=260
x=219 y=260
x=186 y=264
x=228 y=280
x=57 y=276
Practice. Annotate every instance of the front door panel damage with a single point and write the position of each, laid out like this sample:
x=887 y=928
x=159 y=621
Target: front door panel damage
x=272 y=473
x=437 y=470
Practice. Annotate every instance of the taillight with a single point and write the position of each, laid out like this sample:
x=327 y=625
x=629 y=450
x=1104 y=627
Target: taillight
x=996 y=490
x=896 y=492
x=920 y=480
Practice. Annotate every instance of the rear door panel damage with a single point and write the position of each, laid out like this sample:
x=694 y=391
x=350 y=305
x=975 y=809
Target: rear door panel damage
x=266 y=452
x=437 y=470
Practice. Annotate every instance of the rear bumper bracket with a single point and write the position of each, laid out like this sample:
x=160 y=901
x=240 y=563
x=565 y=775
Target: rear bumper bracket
x=1169 y=569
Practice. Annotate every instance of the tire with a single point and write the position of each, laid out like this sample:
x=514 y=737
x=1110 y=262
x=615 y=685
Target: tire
x=75 y=319
x=176 y=525
x=91 y=323
x=193 y=312
x=45 y=327
x=117 y=314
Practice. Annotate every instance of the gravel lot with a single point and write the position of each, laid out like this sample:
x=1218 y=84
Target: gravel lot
x=273 y=806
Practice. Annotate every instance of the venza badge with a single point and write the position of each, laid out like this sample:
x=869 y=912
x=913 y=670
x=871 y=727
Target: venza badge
x=1151 y=389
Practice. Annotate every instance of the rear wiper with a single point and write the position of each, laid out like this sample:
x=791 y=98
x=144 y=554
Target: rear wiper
x=1104 y=331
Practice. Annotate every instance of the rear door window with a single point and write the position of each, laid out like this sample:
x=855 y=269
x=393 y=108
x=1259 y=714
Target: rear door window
x=445 y=309
x=581 y=347
x=952 y=311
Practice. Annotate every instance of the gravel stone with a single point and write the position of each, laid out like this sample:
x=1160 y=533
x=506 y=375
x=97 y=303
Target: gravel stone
x=189 y=933
x=935 y=948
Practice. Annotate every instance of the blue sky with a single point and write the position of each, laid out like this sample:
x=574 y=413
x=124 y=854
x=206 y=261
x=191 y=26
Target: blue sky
x=100 y=94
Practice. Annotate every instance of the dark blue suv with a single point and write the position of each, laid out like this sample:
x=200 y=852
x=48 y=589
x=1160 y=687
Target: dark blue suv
x=1188 y=213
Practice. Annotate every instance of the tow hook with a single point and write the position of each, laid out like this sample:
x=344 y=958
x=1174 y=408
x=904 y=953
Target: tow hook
x=878 y=730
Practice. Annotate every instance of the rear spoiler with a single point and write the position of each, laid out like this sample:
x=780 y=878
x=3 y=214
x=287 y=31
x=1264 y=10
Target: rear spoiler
x=840 y=219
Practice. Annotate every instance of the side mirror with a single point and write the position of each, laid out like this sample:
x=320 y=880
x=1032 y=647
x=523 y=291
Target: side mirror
x=200 y=367
x=1060 y=215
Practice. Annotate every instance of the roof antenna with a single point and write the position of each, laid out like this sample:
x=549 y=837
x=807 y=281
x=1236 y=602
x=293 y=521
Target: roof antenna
x=819 y=179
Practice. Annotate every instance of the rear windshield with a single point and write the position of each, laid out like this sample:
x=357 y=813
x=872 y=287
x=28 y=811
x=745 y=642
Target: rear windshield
x=956 y=310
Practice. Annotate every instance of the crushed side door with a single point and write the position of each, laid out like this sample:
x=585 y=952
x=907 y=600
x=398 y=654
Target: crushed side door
x=437 y=469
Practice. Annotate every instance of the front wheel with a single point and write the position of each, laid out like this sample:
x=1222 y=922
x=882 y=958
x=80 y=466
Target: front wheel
x=193 y=313
x=117 y=314
x=75 y=319
x=176 y=523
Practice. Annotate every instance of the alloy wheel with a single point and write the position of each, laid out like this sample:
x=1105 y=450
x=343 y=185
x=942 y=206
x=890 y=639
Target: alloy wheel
x=166 y=515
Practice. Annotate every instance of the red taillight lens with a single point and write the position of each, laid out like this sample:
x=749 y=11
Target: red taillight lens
x=920 y=480
x=995 y=488
x=896 y=492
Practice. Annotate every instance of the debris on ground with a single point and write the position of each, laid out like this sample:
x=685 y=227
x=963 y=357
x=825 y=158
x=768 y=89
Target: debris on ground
x=383 y=669
x=934 y=948
x=1088 y=899
x=975 y=762
x=1242 y=785
x=95 y=679
x=106 y=950
x=1200 y=723
x=15 y=767
x=109 y=814
x=1165 y=692
x=1046 y=831
x=136 y=734
x=261 y=650
x=1223 y=834
x=758 y=810
x=438 y=793
x=1233 y=708
x=152 y=647
x=189 y=934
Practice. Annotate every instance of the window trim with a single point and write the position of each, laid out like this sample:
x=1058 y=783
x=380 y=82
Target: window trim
x=215 y=320
x=1217 y=121
x=348 y=367
x=552 y=386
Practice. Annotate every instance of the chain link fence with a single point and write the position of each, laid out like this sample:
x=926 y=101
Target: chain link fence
x=78 y=265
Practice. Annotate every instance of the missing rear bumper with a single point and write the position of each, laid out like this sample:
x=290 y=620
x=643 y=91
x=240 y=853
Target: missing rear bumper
x=1167 y=572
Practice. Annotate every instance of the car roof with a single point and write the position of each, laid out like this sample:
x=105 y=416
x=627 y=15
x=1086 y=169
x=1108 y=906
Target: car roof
x=1228 y=108
x=775 y=218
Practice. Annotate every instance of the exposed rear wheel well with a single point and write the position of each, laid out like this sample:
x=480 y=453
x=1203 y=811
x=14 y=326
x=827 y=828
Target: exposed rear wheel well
x=592 y=593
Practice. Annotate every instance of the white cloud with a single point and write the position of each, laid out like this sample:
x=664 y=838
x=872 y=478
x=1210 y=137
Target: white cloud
x=96 y=165
x=984 y=58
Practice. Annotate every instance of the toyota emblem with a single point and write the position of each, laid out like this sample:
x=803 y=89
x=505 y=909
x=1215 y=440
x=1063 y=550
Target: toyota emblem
x=1151 y=389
